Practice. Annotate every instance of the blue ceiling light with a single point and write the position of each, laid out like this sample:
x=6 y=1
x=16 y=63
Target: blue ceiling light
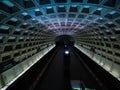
x=33 y=19
x=99 y=9
x=14 y=19
x=37 y=10
x=24 y=23
x=4 y=27
x=49 y=7
x=24 y=13
x=109 y=22
x=113 y=12
x=101 y=18
x=17 y=29
x=8 y=3
x=11 y=37
x=86 y=6
x=117 y=29
x=74 y=5
x=61 y=6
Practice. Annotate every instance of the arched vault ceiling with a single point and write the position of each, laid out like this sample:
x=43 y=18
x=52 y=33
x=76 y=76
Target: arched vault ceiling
x=60 y=16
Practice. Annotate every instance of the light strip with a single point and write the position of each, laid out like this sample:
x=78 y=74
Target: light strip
x=8 y=3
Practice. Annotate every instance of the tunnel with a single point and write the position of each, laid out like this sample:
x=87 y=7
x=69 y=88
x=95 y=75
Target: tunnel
x=63 y=40
x=32 y=32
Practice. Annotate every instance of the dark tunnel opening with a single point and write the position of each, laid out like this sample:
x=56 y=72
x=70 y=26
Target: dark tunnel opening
x=64 y=40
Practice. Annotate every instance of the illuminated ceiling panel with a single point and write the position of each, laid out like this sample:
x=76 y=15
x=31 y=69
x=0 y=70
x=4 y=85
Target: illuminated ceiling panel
x=89 y=11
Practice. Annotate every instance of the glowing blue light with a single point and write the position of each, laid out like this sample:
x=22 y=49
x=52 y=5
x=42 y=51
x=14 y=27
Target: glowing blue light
x=61 y=6
x=101 y=18
x=74 y=5
x=33 y=19
x=86 y=6
x=109 y=22
x=24 y=13
x=117 y=29
x=4 y=27
x=24 y=23
x=113 y=12
x=49 y=7
x=99 y=8
x=13 y=19
x=17 y=29
x=11 y=37
x=37 y=10
x=67 y=52
x=8 y=3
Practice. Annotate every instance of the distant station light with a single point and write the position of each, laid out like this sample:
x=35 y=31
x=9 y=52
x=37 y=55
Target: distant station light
x=67 y=52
